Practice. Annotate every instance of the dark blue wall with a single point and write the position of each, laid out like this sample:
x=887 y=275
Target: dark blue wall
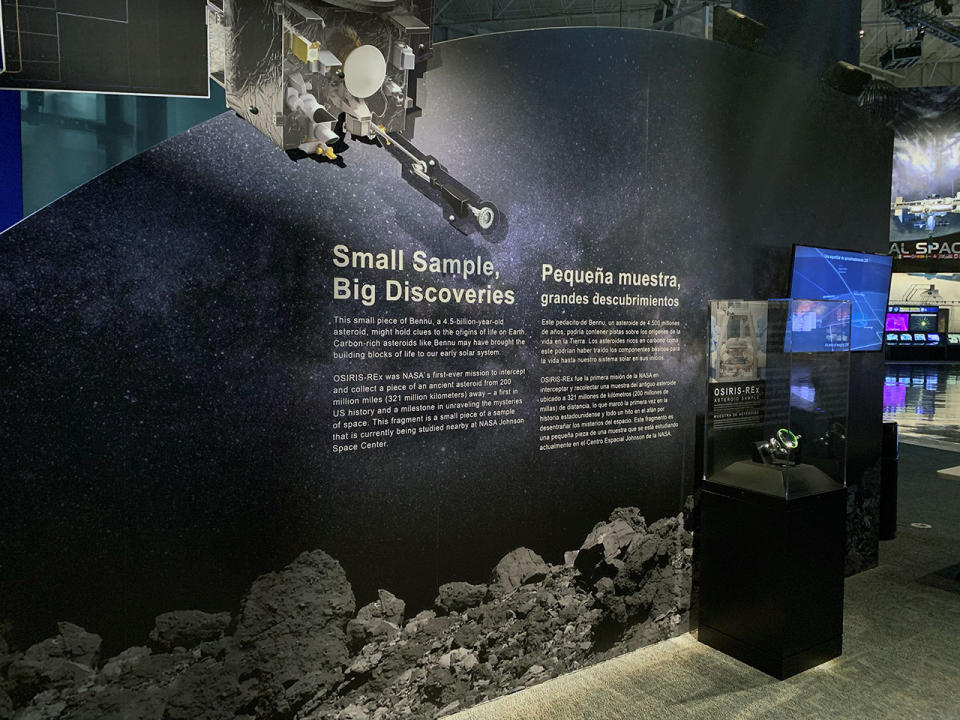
x=11 y=181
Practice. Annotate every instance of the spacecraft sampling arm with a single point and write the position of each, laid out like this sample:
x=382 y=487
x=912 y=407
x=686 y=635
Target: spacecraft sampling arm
x=332 y=69
x=462 y=207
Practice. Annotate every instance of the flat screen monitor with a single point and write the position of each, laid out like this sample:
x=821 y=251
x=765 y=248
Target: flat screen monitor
x=953 y=338
x=933 y=338
x=922 y=322
x=906 y=338
x=898 y=322
x=893 y=337
x=861 y=278
x=920 y=337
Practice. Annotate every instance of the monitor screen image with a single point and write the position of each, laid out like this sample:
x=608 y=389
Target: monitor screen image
x=818 y=326
x=898 y=322
x=920 y=337
x=921 y=322
x=906 y=337
x=953 y=338
x=893 y=337
x=933 y=338
x=861 y=278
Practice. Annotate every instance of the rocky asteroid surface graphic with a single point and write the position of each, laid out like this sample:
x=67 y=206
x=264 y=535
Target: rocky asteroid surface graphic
x=299 y=649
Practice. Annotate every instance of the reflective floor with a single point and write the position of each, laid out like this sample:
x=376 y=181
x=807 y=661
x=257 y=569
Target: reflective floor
x=924 y=399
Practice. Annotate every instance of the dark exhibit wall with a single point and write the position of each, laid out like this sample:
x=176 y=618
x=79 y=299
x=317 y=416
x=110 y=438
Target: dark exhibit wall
x=216 y=359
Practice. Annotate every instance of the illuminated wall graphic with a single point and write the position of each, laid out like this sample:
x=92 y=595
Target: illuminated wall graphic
x=926 y=164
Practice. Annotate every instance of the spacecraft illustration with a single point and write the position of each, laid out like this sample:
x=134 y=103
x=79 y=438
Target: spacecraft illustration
x=737 y=345
x=923 y=293
x=309 y=74
x=927 y=293
x=927 y=212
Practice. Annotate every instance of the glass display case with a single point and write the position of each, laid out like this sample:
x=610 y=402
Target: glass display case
x=778 y=383
x=773 y=506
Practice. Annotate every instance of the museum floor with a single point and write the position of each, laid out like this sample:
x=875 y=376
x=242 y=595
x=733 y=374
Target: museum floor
x=901 y=651
x=924 y=399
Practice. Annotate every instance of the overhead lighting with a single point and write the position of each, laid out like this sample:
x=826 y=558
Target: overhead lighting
x=737 y=29
x=848 y=79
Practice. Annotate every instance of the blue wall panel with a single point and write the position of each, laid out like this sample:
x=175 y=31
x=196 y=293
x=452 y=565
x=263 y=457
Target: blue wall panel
x=11 y=180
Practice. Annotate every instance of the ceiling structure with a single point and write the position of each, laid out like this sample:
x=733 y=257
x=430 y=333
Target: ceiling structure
x=938 y=65
x=460 y=18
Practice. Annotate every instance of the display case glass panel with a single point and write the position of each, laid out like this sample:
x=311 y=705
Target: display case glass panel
x=779 y=365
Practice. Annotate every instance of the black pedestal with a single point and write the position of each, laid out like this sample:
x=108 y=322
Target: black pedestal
x=772 y=562
x=889 y=473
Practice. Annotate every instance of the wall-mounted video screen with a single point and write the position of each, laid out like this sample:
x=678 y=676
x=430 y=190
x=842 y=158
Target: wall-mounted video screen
x=933 y=338
x=920 y=337
x=893 y=338
x=897 y=322
x=863 y=279
x=906 y=338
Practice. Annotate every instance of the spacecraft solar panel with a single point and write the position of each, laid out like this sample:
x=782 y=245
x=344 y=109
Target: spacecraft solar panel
x=144 y=47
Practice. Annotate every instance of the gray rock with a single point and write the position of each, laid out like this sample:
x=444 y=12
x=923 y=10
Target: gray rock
x=199 y=691
x=57 y=663
x=613 y=536
x=291 y=628
x=365 y=662
x=353 y=712
x=49 y=706
x=387 y=607
x=363 y=632
x=7 y=660
x=188 y=628
x=667 y=526
x=460 y=596
x=73 y=643
x=27 y=678
x=289 y=659
x=632 y=516
x=79 y=645
x=6 y=706
x=449 y=709
x=137 y=686
x=642 y=554
x=459 y=661
x=123 y=663
x=520 y=567
x=418 y=621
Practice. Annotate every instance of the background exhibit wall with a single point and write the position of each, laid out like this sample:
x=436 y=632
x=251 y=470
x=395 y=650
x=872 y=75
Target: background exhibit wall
x=175 y=372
